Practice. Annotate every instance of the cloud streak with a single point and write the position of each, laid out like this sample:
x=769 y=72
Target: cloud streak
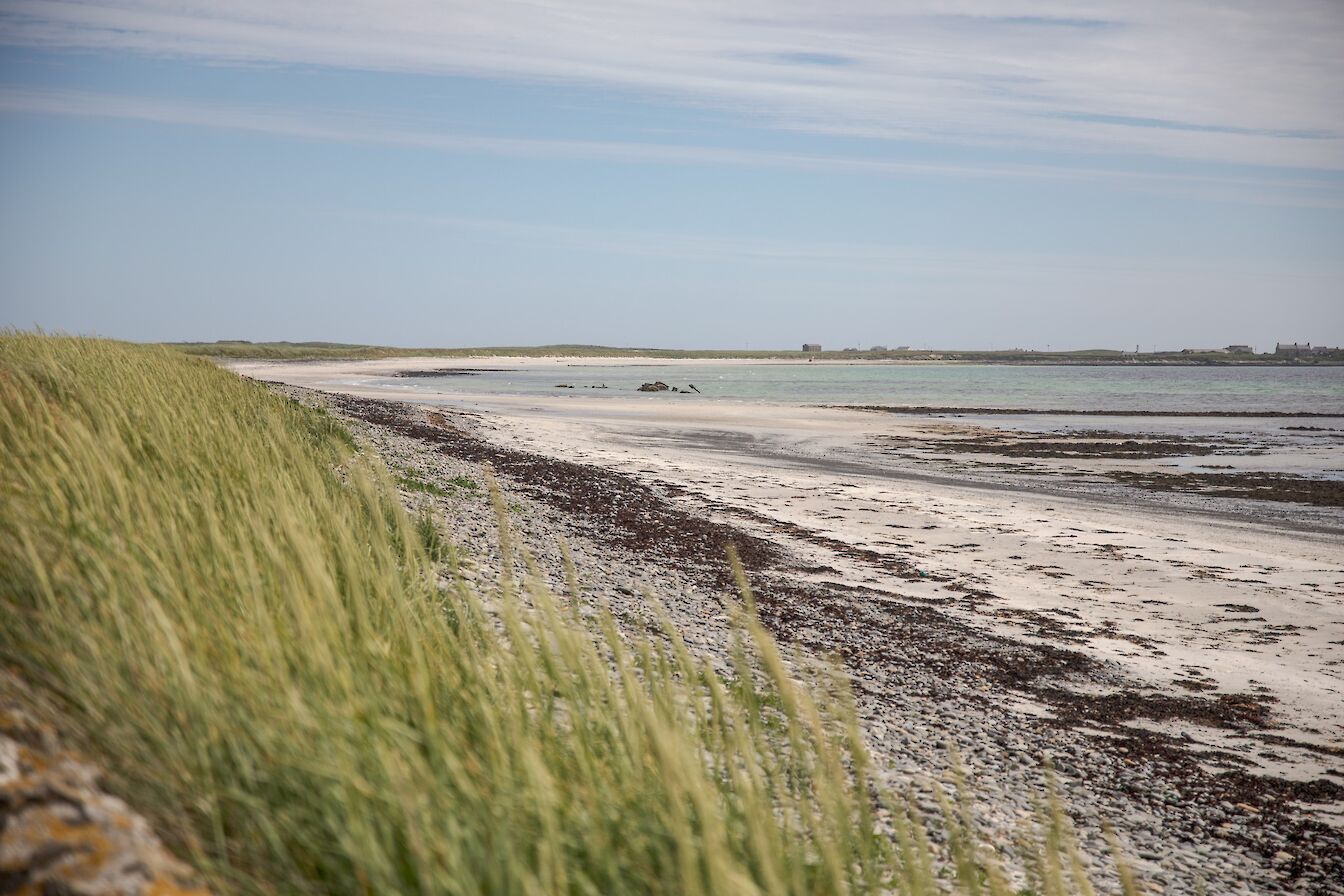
x=1228 y=81
x=906 y=260
x=354 y=128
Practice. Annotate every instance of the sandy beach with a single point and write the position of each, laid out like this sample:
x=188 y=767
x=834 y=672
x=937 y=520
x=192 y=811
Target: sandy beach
x=1106 y=594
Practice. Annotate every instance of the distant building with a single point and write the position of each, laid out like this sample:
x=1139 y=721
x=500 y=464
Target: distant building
x=848 y=349
x=902 y=348
x=878 y=348
x=811 y=346
x=1297 y=349
x=1240 y=349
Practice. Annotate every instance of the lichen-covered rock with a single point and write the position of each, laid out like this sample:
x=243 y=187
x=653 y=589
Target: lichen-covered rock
x=61 y=833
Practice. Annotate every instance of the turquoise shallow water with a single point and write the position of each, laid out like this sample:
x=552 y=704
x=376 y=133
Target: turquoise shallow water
x=1166 y=389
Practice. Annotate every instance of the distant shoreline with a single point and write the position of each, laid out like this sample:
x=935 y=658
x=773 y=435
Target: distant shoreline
x=327 y=351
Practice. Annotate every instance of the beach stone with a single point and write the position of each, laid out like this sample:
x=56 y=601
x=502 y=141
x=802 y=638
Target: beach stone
x=60 y=833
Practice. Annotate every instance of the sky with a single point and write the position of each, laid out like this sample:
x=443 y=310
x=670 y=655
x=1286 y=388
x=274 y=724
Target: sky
x=676 y=173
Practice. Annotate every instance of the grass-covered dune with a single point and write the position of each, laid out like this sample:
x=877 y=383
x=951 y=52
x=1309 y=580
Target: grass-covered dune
x=237 y=618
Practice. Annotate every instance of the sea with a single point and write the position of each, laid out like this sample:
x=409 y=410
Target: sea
x=1075 y=389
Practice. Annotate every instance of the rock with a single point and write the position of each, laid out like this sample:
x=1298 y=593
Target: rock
x=659 y=386
x=63 y=834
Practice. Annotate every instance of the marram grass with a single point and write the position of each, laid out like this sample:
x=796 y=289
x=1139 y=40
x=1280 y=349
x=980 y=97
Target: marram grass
x=275 y=664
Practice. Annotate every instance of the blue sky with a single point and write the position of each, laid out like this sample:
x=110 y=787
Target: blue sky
x=1023 y=173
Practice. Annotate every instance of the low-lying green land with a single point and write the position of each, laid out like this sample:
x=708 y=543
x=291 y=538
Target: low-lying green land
x=224 y=596
x=300 y=351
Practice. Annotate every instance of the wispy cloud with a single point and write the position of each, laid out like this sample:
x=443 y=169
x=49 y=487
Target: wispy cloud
x=895 y=259
x=356 y=128
x=1234 y=82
